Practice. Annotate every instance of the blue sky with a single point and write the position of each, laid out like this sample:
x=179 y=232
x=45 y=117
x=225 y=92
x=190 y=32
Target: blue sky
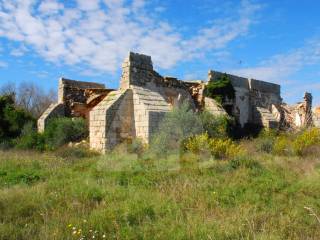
x=277 y=41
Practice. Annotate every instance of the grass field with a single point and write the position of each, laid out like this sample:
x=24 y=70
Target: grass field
x=118 y=196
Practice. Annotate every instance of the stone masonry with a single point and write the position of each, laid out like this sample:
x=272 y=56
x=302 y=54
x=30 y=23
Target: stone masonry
x=144 y=97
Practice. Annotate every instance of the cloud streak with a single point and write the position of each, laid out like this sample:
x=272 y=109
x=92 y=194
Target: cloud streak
x=282 y=66
x=3 y=64
x=99 y=33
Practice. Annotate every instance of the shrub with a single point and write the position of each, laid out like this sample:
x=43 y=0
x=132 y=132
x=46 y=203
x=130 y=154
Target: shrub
x=177 y=125
x=218 y=148
x=12 y=119
x=30 y=138
x=224 y=148
x=215 y=126
x=282 y=145
x=198 y=144
x=307 y=139
x=61 y=131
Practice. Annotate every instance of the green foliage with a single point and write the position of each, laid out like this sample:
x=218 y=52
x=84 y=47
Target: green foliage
x=182 y=123
x=266 y=141
x=177 y=125
x=136 y=146
x=244 y=161
x=12 y=119
x=219 y=148
x=307 y=139
x=61 y=131
x=74 y=153
x=215 y=126
x=30 y=138
x=220 y=89
x=283 y=145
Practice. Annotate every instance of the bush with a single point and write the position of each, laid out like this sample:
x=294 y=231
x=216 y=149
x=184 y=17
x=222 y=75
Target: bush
x=307 y=139
x=61 y=131
x=215 y=126
x=282 y=146
x=218 y=148
x=12 y=119
x=221 y=148
x=30 y=138
x=177 y=125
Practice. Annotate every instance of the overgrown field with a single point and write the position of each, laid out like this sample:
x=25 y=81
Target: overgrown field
x=77 y=195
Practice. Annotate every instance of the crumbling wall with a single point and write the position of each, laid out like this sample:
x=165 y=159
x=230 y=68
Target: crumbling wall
x=54 y=110
x=264 y=94
x=119 y=117
x=74 y=94
x=299 y=115
x=153 y=95
x=73 y=91
x=253 y=99
x=75 y=99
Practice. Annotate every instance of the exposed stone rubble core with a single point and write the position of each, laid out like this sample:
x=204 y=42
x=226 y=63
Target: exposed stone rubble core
x=299 y=115
x=137 y=107
x=75 y=99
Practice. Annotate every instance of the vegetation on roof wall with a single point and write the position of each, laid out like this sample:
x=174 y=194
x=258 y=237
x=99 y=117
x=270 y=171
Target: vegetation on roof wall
x=220 y=89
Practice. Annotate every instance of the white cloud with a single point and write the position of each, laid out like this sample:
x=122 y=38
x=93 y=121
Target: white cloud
x=19 y=51
x=50 y=7
x=3 y=64
x=99 y=33
x=282 y=66
x=88 y=5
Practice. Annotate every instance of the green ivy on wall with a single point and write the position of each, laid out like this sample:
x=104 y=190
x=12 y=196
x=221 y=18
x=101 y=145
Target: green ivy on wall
x=220 y=89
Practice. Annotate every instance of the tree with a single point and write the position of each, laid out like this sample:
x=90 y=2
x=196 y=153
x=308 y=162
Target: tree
x=12 y=118
x=30 y=97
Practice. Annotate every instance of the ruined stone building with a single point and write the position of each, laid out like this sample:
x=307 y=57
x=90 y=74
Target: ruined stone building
x=137 y=107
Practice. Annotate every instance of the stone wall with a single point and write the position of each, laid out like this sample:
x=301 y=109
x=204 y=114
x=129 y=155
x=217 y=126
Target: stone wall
x=144 y=97
x=75 y=99
x=253 y=98
x=111 y=121
x=54 y=110
x=136 y=110
x=73 y=91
